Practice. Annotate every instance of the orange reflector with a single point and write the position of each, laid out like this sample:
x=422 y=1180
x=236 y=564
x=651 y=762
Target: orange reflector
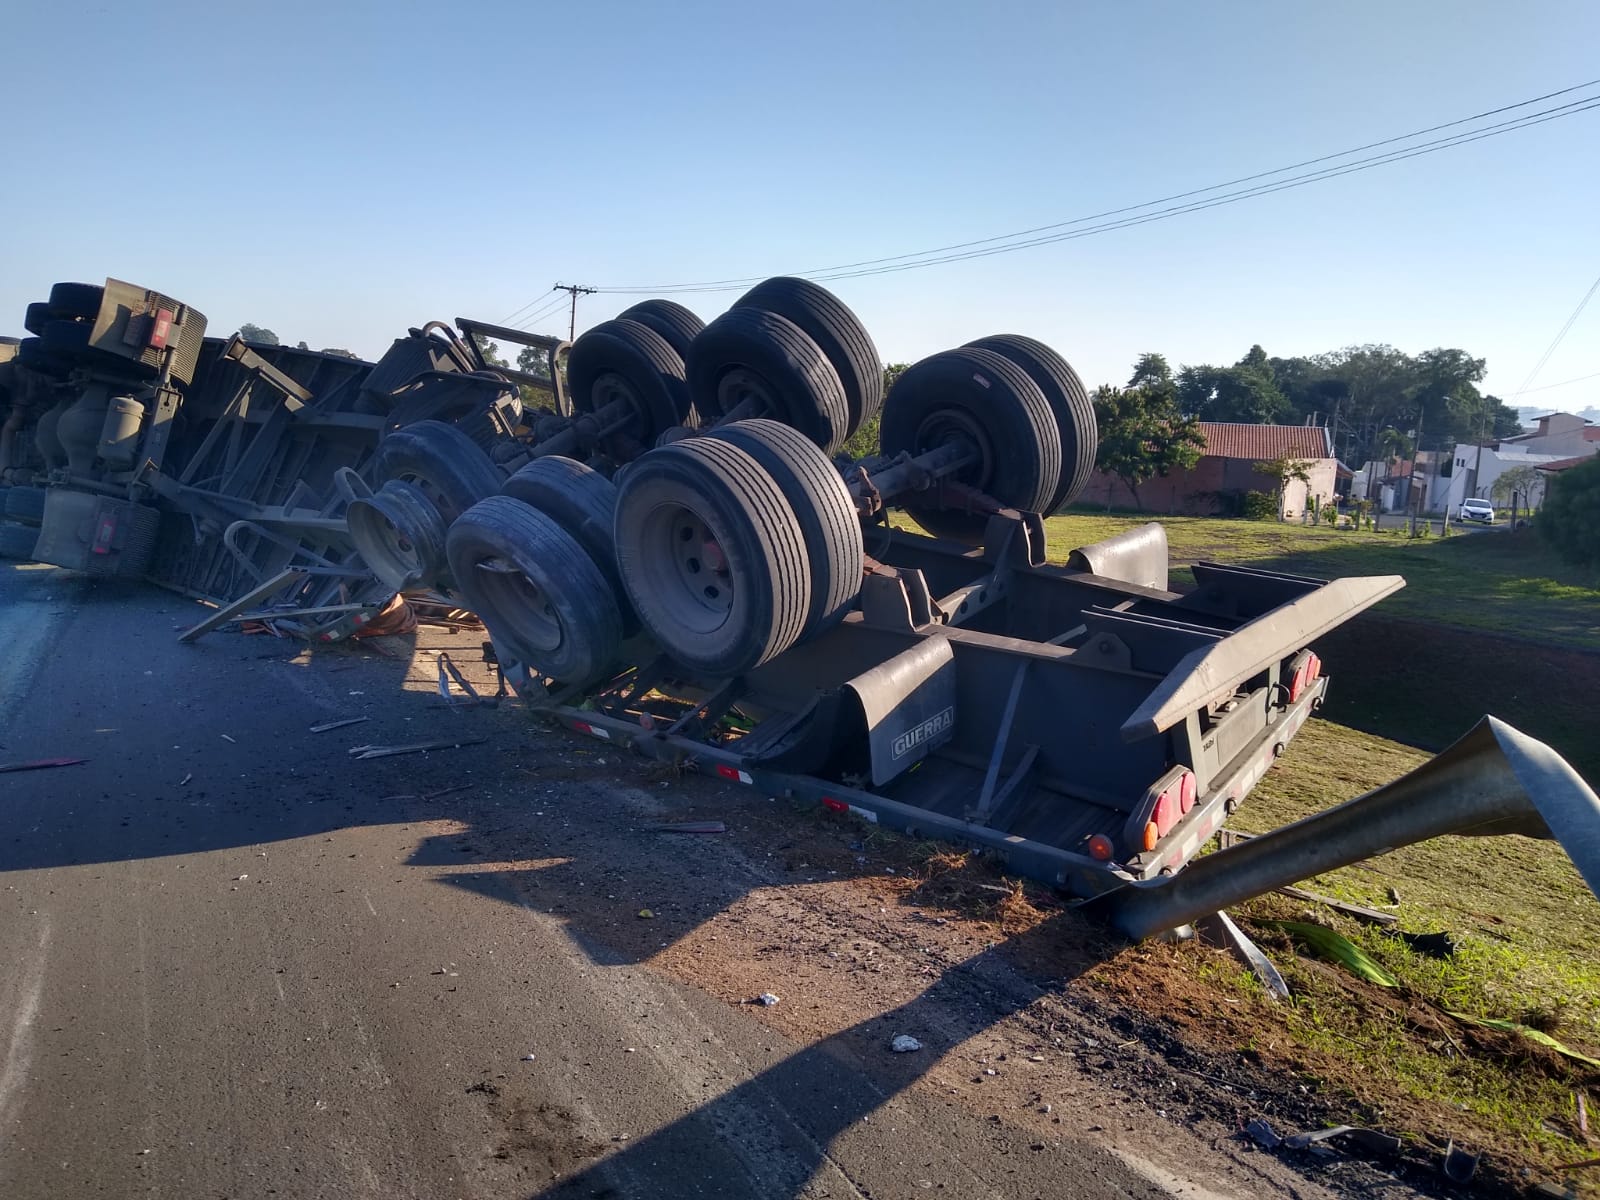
x=1100 y=848
x=1152 y=835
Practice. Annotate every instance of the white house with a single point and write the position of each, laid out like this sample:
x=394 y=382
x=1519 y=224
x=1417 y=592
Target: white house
x=1473 y=469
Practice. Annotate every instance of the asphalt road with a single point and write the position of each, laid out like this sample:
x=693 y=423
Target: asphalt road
x=238 y=962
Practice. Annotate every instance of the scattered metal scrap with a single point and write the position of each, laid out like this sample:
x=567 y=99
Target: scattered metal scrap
x=364 y=752
x=41 y=764
x=340 y=724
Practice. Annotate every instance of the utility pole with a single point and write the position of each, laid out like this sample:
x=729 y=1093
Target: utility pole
x=1416 y=453
x=574 y=290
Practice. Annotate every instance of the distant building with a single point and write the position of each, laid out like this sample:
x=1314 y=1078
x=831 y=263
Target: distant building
x=1472 y=469
x=1226 y=471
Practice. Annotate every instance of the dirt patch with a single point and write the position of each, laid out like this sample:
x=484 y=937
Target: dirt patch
x=1427 y=684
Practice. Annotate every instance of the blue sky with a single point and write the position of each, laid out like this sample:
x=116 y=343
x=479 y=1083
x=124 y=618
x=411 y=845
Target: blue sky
x=339 y=171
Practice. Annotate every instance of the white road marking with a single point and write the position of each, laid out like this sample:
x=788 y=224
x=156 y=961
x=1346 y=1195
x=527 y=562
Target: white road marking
x=19 y=1045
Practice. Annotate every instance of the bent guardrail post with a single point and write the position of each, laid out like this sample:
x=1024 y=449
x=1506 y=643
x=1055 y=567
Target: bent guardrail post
x=1495 y=780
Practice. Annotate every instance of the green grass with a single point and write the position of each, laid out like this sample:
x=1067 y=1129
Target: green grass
x=1528 y=935
x=1503 y=582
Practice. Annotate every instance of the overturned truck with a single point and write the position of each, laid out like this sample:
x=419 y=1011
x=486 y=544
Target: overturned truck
x=669 y=553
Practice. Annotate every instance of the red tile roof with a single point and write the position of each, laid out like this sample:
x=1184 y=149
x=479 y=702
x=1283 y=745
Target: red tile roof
x=1562 y=464
x=1231 y=439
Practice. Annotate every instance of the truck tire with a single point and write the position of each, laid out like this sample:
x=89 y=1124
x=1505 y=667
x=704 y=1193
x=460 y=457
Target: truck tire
x=584 y=503
x=67 y=337
x=1069 y=404
x=628 y=361
x=535 y=589
x=441 y=460
x=837 y=331
x=33 y=354
x=17 y=541
x=677 y=326
x=990 y=405
x=823 y=506
x=25 y=504
x=35 y=316
x=749 y=353
x=76 y=301
x=712 y=556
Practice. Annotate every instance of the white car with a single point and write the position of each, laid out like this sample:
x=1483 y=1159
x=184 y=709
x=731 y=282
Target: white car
x=1476 y=510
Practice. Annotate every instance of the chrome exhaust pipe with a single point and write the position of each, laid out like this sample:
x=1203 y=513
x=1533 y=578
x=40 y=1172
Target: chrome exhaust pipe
x=1495 y=780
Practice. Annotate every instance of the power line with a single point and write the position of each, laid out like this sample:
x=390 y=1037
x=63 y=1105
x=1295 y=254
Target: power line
x=963 y=250
x=543 y=313
x=1229 y=198
x=1545 y=387
x=1551 y=348
x=506 y=319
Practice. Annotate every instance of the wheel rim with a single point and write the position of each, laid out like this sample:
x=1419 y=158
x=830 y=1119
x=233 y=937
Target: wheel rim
x=741 y=384
x=955 y=426
x=399 y=533
x=687 y=570
x=612 y=387
x=524 y=609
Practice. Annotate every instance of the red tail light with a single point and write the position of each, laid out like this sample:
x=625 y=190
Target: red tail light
x=1164 y=805
x=832 y=805
x=1100 y=848
x=105 y=533
x=1307 y=670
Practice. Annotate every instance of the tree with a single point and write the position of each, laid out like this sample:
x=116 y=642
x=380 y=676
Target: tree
x=490 y=351
x=1245 y=392
x=864 y=442
x=1516 y=485
x=534 y=360
x=1392 y=446
x=1284 y=470
x=301 y=346
x=258 y=334
x=1570 y=517
x=1143 y=434
x=1151 y=368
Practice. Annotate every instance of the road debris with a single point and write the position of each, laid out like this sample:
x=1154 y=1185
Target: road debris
x=41 y=764
x=363 y=752
x=1368 y=1139
x=184 y=782
x=340 y=724
x=646 y=915
x=226 y=738
x=904 y=1044
x=527 y=1058
x=1219 y=929
x=766 y=1000
x=1360 y=912
x=1458 y=1166
x=1435 y=945
x=1581 y=1103
x=1263 y=1134
x=689 y=827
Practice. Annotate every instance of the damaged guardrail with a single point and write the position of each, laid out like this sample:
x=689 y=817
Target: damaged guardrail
x=1495 y=780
